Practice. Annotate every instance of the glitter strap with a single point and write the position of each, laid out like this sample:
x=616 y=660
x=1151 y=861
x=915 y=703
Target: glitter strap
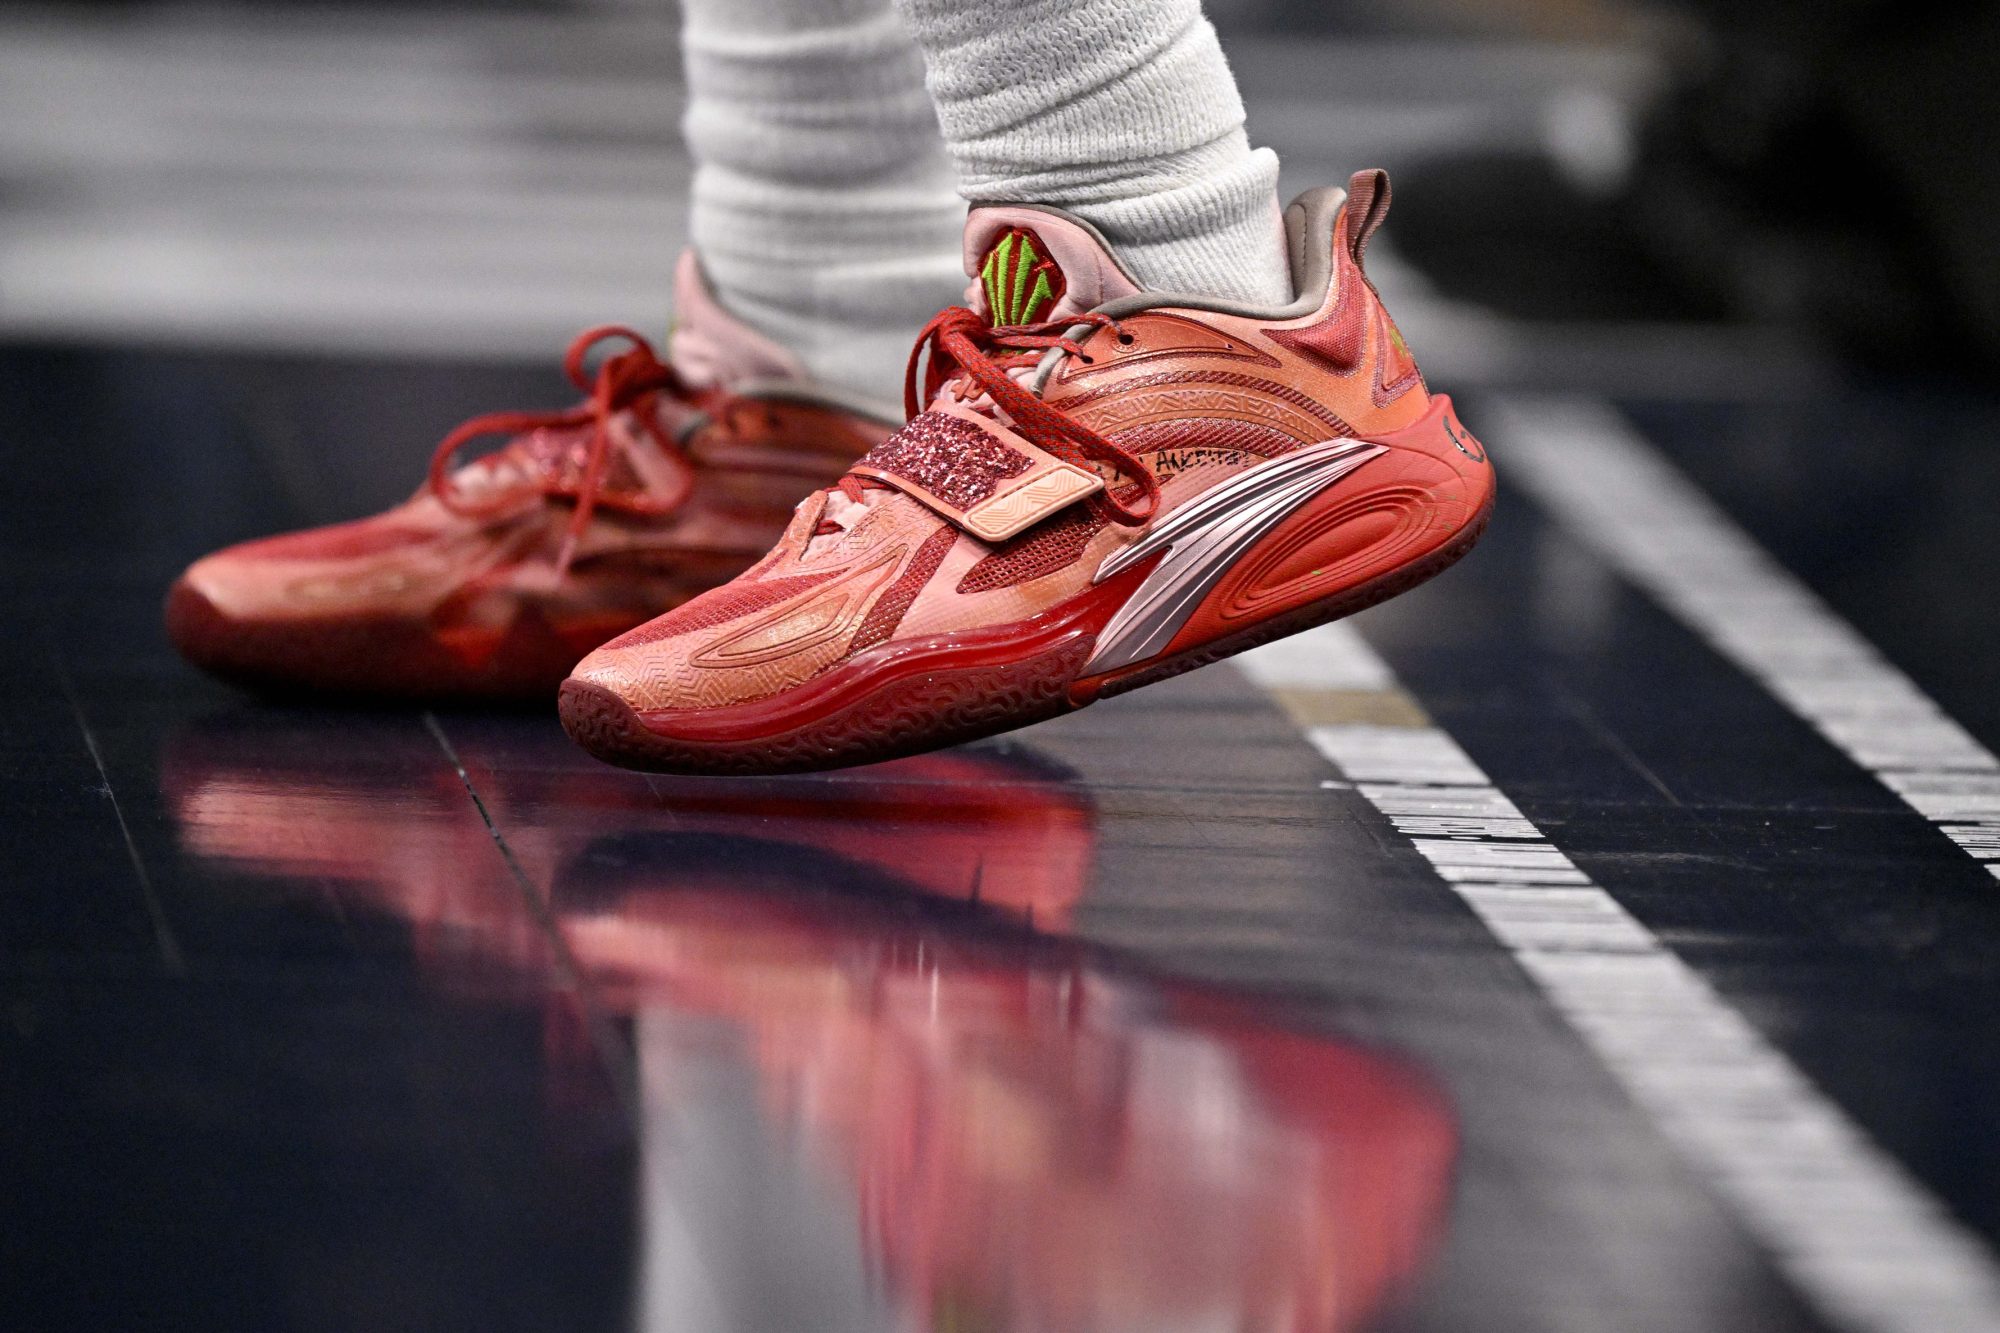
x=975 y=473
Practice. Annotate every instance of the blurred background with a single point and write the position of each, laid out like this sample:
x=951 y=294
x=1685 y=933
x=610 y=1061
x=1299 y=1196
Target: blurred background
x=1733 y=180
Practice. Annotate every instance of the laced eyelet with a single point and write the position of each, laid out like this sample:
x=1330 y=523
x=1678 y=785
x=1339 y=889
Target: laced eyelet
x=959 y=344
x=1125 y=339
x=625 y=381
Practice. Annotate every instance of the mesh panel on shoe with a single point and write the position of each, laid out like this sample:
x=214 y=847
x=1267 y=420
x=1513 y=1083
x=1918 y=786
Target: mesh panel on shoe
x=1052 y=544
x=887 y=613
x=1193 y=379
x=719 y=606
x=1338 y=341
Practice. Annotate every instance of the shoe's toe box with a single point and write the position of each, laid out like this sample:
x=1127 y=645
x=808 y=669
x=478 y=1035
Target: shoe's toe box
x=622 y=702
x=327 y=607
x=733 y=671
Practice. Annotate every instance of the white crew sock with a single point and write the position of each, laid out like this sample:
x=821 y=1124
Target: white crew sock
x=1122 y=112
x=823 y=206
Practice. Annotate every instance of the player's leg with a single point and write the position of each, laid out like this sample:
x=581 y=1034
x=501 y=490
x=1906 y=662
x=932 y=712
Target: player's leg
x=823 y=212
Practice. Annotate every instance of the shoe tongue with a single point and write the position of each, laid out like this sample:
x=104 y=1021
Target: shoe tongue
x=1032 y=265
x=559 y=456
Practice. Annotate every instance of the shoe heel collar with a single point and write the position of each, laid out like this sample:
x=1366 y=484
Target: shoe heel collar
x=1309 y=243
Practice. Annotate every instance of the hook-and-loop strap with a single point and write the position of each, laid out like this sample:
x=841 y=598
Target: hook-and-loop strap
x=976 y=473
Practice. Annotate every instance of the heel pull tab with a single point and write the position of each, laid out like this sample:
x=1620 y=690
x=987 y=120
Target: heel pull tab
x=1367 y=206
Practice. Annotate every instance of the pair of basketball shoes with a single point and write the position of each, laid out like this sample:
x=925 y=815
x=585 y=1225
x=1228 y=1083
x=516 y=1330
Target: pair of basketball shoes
x=1096 y=487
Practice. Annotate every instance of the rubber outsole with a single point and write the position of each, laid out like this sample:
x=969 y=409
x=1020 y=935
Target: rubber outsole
x=931 y=709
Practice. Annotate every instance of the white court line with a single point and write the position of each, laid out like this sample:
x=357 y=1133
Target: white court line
x=1855 y=1233
x=1588 y=466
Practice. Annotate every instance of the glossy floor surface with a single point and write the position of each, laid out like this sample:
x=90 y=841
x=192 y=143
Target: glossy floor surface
x=1600 y=938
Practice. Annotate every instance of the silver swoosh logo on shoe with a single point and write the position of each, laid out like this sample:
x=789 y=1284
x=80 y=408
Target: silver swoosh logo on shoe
x=1203 y=539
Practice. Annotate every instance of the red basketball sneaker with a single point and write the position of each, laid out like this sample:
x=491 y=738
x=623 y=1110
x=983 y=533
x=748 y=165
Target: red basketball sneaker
x=498 y=575
x=1109 y=487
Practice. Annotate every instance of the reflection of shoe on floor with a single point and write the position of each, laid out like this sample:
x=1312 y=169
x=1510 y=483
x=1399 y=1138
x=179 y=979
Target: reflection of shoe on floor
x=1012 y=832
x=497 y=576
x=1108 y=487
x=1033 y=1135
x=334 y=810
x=332 y=806
x=1034 y=1138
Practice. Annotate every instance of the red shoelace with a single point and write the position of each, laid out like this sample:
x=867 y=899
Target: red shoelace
x=626 y=381
x=960 y=343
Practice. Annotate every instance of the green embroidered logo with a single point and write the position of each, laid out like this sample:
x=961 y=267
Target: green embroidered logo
x=1021 y=285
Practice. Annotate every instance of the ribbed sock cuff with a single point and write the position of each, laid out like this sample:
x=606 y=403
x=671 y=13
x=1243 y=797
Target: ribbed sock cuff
x=1220 y=234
